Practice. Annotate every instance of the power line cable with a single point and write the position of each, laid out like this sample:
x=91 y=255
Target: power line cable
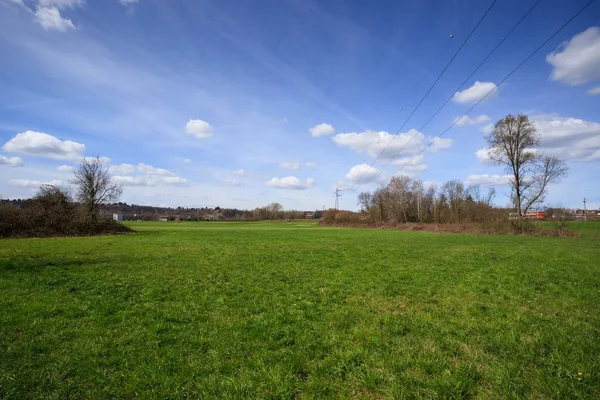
x=465 y=81
x=433 y=85
x=502 y=81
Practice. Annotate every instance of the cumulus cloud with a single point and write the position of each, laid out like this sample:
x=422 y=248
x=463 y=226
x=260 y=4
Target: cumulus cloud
x=483 y=155
x=466 y=120
x=478 y=91
x=103 y=160
x=322 y=130
x=294 y=165
x=310 y=164
x=61 y=3
x=594 y=91
x=11 y=161
x=487 y=180
x=571 y=139
x=404 y=144
x=50 y=18
x=577 y=61
x=145 y=175
x=239 y=172
x=487 y=129
x=364 y=173
x=122 y=169
x=66 y=168
x=198 y=128
x=43 y=145
x=291 y=182
x=150 y=170
x=30 y=183
x=150 y=180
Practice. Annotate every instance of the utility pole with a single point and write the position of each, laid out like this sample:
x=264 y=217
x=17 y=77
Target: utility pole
x=338 y=194
x=584 y=211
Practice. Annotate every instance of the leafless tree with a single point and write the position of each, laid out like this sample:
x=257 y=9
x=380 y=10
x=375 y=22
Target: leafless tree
x=513 y=144
x=455 y=193
x=365 y=200
x=94 y=186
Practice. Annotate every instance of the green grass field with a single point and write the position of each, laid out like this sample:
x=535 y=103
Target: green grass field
x=294 y=310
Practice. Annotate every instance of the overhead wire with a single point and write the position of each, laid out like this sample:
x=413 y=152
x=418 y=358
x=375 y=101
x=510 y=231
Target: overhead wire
x=432 y=86
x=502 y=81
x=464 y=82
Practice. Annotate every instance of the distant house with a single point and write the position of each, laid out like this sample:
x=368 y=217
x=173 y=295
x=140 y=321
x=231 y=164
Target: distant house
x=309 y=215
x=535 y=215
x=118 y=217
x=163 y=218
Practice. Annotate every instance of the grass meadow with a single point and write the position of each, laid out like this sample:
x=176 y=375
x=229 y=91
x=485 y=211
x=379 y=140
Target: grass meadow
x=295 y=310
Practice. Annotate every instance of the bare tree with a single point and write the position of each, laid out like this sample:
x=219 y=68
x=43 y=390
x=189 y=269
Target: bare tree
x=513 y=143
x=455 y=193
x=94 y=186
x=365 y=201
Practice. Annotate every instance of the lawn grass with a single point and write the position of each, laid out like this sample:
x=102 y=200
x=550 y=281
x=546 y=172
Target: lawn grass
x=295 y=310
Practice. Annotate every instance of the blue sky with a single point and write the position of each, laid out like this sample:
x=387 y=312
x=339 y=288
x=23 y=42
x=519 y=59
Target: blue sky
x=239 y=103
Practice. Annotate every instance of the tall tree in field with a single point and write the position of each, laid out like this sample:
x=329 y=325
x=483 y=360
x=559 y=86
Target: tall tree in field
x=95 y=187
x=512 y=143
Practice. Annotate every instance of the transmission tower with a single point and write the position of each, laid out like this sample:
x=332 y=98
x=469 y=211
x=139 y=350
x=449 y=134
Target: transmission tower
x=338 y=194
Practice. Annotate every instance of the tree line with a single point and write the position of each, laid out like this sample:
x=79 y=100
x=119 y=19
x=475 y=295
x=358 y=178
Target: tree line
x=54 y=211
x=513 y=143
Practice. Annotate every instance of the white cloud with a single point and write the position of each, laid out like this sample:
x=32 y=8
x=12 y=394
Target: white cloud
x=30 y=183
x=476 y=92
x=200 y=129
x=50 y=18
x=66 y=168
x=363 y=173
x=103 y=160
x=187 y=160
x=594 y=91
x=483 y=155
x=61 y=3
x=310 y=164
x=291 y=182
x=128 y=2
x=294 y=165
x=43 y=145
x=280 y=121
x=150 y=170
x=11 y=161
x=404 y=144
x=487 y=129
x=487 y=180
x=122 y=169
x=146 y=175
x=239 y=172
x=578 y=60
x=152 y=180
x=322 y=130
x=571 y=139
x=466 y=120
